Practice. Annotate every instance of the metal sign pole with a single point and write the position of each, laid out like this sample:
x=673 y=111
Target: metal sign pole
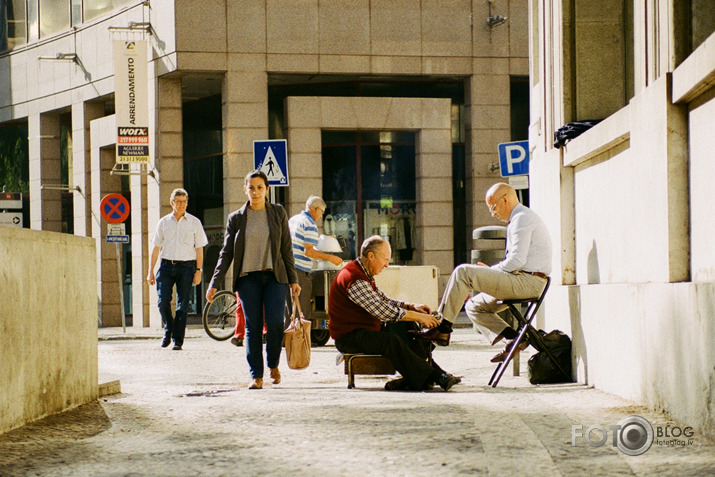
x=118 y=247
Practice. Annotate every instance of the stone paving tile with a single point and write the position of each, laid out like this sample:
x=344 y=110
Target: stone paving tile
x=185 y=413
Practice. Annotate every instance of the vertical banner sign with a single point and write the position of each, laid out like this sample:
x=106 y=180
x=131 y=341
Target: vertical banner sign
x=131 y=101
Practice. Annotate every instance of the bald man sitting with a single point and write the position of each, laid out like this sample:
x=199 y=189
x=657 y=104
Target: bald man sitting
x=521 y=275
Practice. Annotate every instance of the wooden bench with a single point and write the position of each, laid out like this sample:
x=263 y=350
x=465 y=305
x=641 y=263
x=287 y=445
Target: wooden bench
x=365 y=364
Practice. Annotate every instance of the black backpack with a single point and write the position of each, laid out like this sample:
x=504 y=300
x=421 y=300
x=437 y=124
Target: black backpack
x=571 y=130
x=541 y=369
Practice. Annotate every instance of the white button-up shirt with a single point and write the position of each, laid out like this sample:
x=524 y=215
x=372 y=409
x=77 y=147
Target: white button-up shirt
x=528 y=243
x=178 y=240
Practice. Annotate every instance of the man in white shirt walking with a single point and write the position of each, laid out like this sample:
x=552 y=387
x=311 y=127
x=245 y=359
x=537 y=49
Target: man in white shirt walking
x=179 y=241
x=521 y=275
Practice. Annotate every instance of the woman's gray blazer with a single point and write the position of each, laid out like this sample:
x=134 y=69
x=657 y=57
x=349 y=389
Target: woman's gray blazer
x=235 y=239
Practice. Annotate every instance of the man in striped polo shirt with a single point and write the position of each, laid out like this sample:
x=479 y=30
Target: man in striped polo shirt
x=304 y=233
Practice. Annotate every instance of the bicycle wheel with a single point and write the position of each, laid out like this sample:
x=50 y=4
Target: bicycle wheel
x=319 y=337
x=220 y=316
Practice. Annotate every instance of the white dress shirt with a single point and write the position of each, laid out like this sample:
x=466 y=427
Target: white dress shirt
x=178 y=240
x=528 y=243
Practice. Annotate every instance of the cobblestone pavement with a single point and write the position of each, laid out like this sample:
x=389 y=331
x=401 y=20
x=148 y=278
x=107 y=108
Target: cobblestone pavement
x=184 y=413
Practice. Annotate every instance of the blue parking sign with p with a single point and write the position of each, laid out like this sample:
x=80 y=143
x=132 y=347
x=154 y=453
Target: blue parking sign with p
x=514 y=158
x=271 y=157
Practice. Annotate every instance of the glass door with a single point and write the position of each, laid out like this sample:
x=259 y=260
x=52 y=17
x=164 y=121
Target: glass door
x=369 y=188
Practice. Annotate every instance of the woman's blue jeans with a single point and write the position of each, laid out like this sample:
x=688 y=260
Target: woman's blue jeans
x=262 y=299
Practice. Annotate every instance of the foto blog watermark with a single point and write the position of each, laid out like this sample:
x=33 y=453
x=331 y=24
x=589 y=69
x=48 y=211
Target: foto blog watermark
x=633 y=435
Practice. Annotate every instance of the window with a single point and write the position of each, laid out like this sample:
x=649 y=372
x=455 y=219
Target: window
x=13 y=29
x=76 y=12
x=66 y=173
x=693 y=23
x=203 y=180
x=54 y=17
x=703 y=21
x=23 y=21
x=369 y=188
x=96 y=8
x=600 y=58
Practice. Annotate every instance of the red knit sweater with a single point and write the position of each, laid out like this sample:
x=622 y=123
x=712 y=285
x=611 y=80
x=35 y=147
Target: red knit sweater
x=345 y=315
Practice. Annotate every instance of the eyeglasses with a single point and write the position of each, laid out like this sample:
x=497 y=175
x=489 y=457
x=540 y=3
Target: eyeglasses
x=494 y=205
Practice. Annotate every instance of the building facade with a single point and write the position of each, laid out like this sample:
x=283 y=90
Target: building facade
x=392 y=111
x=626 y=201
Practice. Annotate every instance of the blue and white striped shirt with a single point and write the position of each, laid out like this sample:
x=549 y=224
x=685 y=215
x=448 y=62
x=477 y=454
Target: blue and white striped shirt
x=303 y=230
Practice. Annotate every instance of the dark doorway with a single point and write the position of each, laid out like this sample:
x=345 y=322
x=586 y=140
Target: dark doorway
x=369 y=188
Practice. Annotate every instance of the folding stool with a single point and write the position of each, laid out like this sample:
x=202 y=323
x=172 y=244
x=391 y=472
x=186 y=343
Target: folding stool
x=525 y=328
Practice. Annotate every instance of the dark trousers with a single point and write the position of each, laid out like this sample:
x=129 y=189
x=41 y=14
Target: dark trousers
x=180 y=274
x=417 y=370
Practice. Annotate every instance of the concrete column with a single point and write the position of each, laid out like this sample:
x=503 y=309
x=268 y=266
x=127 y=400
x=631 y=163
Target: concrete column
x=435 y=220
x=245 y=119
x=487 y=110
x=567 y=223
x=304 y=151
x=44 y=152
x=140 y=252
x=142 y=225
x=170 y=150
x=102 y=159
x=169 y=162
x=82 y=115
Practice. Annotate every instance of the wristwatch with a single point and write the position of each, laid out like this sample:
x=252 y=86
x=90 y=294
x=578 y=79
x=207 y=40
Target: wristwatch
x=198 y=269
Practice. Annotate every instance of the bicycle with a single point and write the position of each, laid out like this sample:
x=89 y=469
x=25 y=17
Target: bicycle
x=219 y=316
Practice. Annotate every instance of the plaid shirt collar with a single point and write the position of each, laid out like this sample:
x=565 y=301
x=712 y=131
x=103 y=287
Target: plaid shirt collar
x=362 y=265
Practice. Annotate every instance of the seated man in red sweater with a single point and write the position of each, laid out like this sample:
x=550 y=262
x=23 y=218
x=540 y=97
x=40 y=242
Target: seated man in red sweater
x=357 y=310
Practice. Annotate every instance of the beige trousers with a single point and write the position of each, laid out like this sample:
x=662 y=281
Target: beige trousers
x=490 y=285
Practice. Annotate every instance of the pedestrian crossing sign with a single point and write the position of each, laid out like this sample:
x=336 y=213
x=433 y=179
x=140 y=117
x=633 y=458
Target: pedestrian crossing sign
x=271 y=157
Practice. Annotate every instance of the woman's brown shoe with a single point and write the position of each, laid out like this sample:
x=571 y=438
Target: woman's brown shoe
x=275 y=375
x=257 y=383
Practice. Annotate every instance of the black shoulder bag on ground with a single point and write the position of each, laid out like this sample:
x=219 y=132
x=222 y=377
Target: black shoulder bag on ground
x=541 y=369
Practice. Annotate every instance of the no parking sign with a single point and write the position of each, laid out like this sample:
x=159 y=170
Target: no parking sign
x=114 y=208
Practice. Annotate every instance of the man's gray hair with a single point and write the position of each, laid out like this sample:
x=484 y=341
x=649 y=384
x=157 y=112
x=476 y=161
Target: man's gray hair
x=313 y=202
x=176 y=192
x=371 y=244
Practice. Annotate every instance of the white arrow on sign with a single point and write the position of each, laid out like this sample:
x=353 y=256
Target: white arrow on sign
x=13 y=219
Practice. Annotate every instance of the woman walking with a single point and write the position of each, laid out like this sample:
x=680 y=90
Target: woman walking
x=258 y=243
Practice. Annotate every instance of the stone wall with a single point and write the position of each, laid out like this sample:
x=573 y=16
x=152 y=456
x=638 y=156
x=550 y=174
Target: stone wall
x=633 y=263
x=48 y=324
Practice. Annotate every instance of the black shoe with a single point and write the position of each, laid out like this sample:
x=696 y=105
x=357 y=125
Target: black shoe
x=446 y=381
x=432 y=334
x=177 y=348
x=399 y=384
x=236 y=341
x=166 y=341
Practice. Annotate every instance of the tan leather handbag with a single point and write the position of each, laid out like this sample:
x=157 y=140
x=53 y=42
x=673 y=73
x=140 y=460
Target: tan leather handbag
x=297 y=339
